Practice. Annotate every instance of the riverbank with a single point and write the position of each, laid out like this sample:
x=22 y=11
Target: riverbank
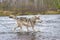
x=7 y=13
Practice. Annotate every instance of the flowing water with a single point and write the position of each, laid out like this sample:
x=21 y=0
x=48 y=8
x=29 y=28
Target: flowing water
x=49 y=29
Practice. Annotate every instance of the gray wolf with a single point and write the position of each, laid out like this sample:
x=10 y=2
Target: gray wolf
x=28 y=22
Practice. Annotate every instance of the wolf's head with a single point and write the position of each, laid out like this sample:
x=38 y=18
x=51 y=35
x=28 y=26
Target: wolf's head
x=37 y=19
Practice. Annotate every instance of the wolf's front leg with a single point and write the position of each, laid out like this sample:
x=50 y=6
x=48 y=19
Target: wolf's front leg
x=27 y=29
x=20 y=28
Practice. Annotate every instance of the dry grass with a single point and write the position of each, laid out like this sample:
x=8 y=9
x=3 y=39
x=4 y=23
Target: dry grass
x=7 y=13
x=52 y=12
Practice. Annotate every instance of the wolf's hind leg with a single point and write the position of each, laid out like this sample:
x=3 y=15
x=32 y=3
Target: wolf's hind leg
x=15 y=28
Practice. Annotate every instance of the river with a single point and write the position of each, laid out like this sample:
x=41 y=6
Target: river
x=49 y=29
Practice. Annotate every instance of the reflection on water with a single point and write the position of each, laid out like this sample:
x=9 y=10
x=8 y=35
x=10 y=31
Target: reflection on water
x=49 y=29
x=16 y=36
